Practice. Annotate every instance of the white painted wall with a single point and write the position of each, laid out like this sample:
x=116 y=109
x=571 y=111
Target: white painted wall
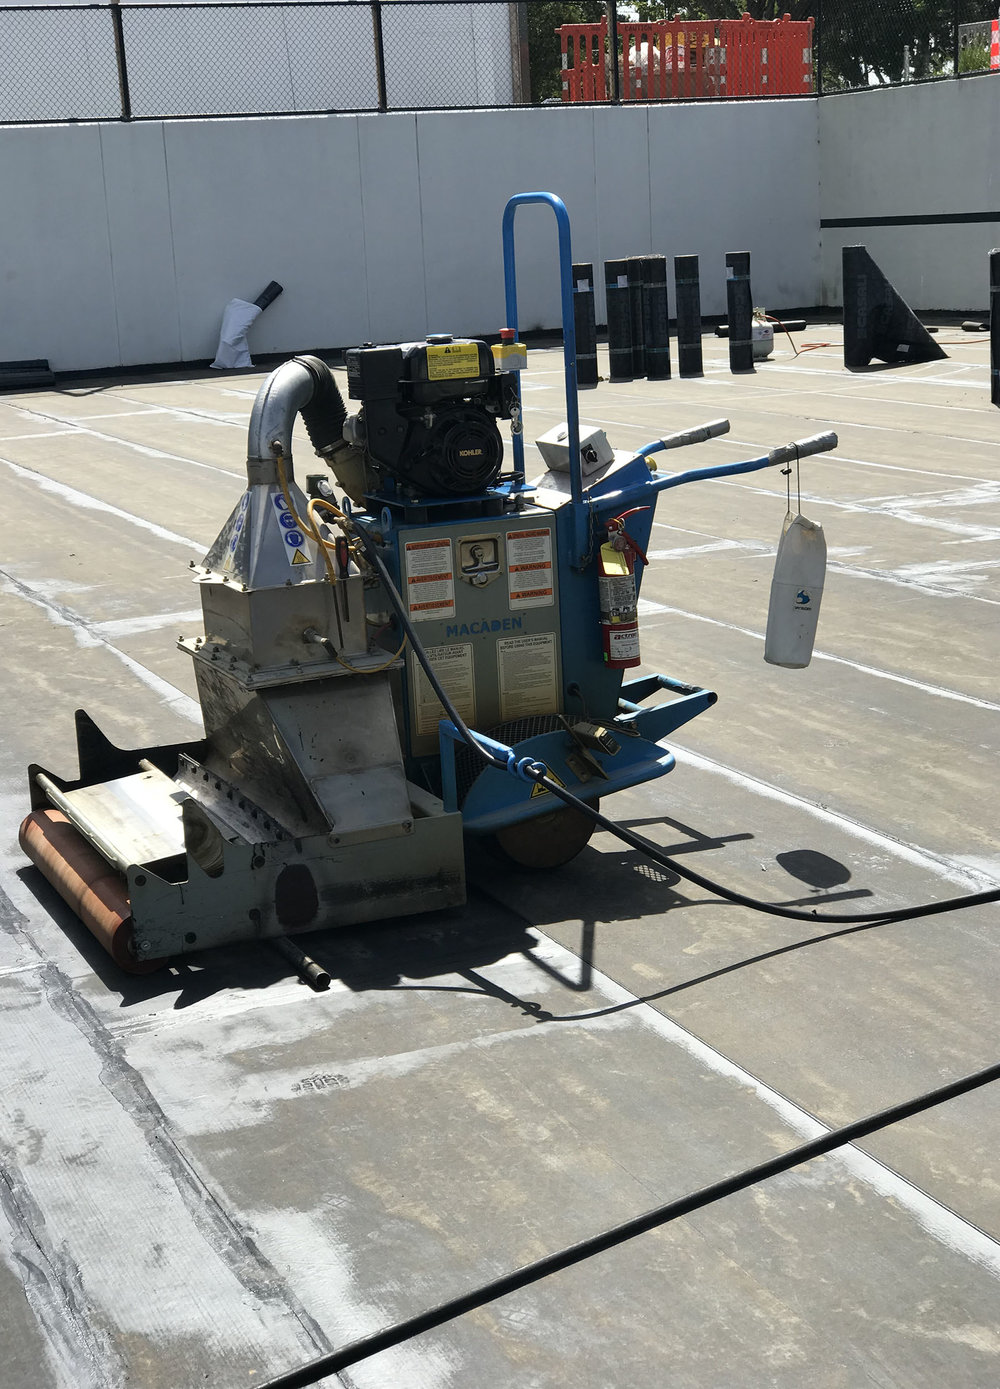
x=120 y=244
x=908 y=151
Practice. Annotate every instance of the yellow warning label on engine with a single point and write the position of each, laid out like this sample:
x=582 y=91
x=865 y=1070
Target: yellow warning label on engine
x=300 y=557
x=539 y=790
x=451 y=361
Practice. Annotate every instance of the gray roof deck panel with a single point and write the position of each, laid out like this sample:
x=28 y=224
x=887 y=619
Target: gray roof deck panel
x=213 y=1175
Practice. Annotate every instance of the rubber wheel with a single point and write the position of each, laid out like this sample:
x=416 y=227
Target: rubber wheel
x=547 y=841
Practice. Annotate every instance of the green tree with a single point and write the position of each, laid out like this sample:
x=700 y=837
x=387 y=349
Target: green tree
x=544 y=52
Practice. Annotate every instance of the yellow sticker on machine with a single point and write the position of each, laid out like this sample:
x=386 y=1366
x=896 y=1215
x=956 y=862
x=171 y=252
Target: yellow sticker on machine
x=539 y=790
x=451 y=361
x=613 y=561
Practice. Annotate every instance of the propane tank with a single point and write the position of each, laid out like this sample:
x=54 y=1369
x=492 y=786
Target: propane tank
x=762 y=335
x=796 y=591
x=618 y=596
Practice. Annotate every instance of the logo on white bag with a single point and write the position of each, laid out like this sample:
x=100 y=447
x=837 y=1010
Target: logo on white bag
x=802 y=599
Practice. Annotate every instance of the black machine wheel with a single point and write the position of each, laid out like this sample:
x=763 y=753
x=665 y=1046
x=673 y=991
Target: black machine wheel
x=547 y=841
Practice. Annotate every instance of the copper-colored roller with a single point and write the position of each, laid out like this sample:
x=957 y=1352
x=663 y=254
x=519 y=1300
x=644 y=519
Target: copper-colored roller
x=86 y=881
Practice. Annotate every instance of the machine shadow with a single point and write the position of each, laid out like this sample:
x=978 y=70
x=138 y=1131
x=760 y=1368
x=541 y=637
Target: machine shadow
x=506 y=906
x=446 y=943
x=610 y=885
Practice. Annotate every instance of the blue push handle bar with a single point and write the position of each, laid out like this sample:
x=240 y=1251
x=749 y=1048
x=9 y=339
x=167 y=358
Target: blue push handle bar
x=569 y=332
x=698 y=435
x=785 y=453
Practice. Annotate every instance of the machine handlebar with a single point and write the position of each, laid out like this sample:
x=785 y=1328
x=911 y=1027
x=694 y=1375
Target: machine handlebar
x=698 y=435
x=802 y=448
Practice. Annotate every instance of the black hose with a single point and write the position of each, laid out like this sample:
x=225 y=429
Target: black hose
x=537 y=772
x=268 y=295
x=636 y=841
x=508 y=1283
x=325 y=413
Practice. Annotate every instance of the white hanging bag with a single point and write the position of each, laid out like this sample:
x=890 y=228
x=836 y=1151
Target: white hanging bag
x=796 y=591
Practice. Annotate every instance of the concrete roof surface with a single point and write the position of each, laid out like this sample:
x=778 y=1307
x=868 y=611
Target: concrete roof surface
x=212 y=1175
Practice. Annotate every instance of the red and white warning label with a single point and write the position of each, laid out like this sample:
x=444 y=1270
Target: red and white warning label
x=529 y=568
x=430 y=579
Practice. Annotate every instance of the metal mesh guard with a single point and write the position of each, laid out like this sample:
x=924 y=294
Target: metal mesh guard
x=468 y=765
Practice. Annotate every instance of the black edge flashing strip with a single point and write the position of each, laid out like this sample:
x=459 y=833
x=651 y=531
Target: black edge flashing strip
x=928 y=219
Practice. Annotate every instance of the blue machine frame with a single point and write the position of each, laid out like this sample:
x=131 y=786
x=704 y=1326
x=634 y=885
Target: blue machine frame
x=496 y=799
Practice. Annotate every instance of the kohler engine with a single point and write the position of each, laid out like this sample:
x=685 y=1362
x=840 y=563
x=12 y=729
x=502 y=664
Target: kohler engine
x=429 y=413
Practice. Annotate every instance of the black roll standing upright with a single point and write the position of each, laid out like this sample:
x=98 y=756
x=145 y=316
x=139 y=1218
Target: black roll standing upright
x=635 y=264
x=585 y=323
x=740 y=307
x=656 y=317
x=878 y=322
x=687 y=288
x=618 y=301
x=995 y=327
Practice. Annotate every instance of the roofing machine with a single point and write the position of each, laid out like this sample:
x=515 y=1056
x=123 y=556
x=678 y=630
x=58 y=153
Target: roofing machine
x=350 y=646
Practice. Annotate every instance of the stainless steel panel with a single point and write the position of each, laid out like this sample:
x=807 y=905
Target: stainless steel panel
x=138 y=816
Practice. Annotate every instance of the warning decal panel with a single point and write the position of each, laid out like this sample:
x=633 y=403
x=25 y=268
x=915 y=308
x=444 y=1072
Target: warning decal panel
x=529 y=568
x=452 y=665
x=452 y=361
x=527 y=669
x=430 y=579
x=539 y=790
x=296 y=550
x=238 y=525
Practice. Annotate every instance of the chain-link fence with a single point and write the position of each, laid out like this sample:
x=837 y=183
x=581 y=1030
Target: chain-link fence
x=900 y=41
x=142 y=61
x=132 y=60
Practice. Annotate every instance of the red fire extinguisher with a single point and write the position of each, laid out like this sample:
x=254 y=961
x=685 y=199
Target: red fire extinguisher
x=617 y=594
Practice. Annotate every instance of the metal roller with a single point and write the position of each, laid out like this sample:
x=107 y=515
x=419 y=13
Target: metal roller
x=86 y=882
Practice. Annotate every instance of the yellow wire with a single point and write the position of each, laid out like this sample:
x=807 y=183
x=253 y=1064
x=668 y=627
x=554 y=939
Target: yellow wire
x=332 y=506
x=325 y=546
x=304 y=526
